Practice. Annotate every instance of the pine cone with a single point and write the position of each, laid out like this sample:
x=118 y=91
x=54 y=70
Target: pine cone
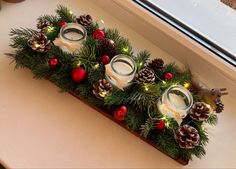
x=85 y=20
x=156 y=64
x=200 y=111
x=42 y=25
x=187 y=137
x=40 y=43
x=145 y=75
x=219 y=106
x=106 y=48
x=101 y=89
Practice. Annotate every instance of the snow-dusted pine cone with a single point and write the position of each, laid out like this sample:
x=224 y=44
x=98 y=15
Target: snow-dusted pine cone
x=101 y=89
x=85 y=20
x=145 y=75
x=156 y=64
x=42 y=25
x=200 y=111
x=219 y=105
x=40 y=43
x=187 y=137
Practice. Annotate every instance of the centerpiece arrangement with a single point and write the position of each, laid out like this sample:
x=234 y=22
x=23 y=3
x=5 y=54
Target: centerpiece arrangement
x=158 y=102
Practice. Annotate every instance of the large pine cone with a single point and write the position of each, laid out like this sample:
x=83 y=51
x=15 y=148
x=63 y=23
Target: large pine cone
x=156 y=64
x=42 y=25
x=107 y=48
x=40 y=43
x=85 y=20
x=200 y=111
x=102 y=89
x=145 y=75
x=187 y=137
x=219 y=105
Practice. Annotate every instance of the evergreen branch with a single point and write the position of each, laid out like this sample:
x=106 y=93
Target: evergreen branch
x=144 y=96
x=41 y=71
x=117 y=97
x=65 y=14
x=167 y=143
x=145 y=128
x=122 y=44
x=212 y=120
x=23 y=32
x=52 y=19
x=20 y=37
x=142 y=59
x=135 y=119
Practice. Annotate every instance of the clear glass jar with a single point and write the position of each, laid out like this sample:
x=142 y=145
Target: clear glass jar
x=121 y=71
x=175 y=102
x=71 y=37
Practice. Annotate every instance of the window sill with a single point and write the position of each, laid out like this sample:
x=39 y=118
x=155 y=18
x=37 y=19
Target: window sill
x=207 y=66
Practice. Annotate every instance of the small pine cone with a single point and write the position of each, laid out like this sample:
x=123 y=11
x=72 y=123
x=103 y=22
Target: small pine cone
x=42 y=25
x=200 y=111
x=101 y=89
x=85 y=20
x=219 y=106
x=156 y=64
x=187 y=137
x=40 y=43
x=145 y=75
x=107 y=48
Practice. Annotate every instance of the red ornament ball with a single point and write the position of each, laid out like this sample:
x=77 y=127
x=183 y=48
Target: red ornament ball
x=161 y=125
x=105 y=59
x=53 y=62
x=168 y=76
x=120 y=113
x=98 y=34
x=62 y=23
x=78 y=74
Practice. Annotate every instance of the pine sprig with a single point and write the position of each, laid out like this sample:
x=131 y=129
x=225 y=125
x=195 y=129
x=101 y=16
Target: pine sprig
x=122 y=44
x=145 y=128
x=117 y=97
x=20 y=37
x=143 y=96
x=65 y=14
x=212 y=120
x=167 y=143
x=51 y=19
x=135 y=119
x=141 y=59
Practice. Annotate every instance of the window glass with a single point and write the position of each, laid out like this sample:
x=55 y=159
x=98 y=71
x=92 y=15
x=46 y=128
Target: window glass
x=212 y=19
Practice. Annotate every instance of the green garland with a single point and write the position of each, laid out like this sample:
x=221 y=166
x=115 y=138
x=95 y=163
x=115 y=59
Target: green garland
x=137 y=118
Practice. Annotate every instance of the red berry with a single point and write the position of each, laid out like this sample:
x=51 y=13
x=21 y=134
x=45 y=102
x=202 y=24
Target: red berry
x=63 y=23
x=123 y=109
x=160 y=125
x=78 y=74
x=53 y=62
x=120 y=113
x=98 y=34
x=105 y=59
x=168 y=76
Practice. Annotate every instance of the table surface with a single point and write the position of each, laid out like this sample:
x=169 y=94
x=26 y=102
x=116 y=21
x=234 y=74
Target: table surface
x=42 y=128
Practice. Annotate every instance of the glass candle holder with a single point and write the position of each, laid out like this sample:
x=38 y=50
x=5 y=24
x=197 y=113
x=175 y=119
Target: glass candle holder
x=175 y=102
x=121 y=71
x=71 y=37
